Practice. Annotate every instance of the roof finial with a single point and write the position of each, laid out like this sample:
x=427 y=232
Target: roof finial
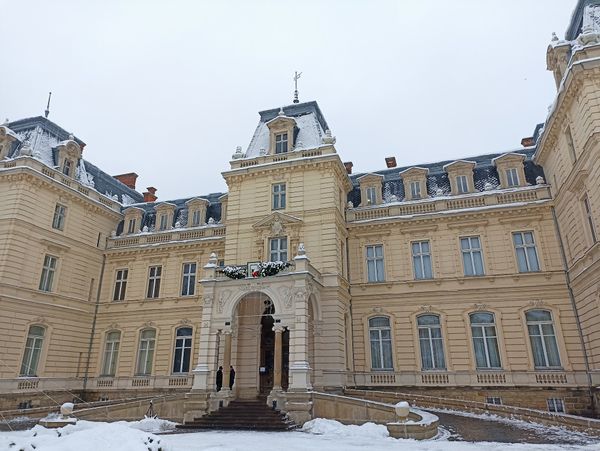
x=296 y=77
x=47 y=112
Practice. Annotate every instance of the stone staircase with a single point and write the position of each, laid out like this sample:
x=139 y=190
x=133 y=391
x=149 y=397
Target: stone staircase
x=243 y=414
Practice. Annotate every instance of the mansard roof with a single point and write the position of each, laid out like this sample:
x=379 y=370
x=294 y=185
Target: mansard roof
x=44 y=136
x=484 y=172
x=310 y=127
x=576 y=23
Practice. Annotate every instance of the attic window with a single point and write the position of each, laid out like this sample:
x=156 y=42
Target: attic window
x=461 y=184
x=371 y=195
x=66 y=169
x=281 y=143
x=415 y=190
x=512 y=177
x=163 y=222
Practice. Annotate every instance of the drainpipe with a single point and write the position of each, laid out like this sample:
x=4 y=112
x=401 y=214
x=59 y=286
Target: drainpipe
x=574 y=305
x=89 y=356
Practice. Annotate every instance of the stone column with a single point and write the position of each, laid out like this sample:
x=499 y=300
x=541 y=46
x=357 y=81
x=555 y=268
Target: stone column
x=226 y=360
x=278 y=329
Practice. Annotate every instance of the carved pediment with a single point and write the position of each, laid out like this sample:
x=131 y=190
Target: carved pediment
x=277 y=222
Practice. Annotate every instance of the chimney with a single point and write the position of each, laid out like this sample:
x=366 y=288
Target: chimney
x=127 y=179
x=348 y=165
x=150 y=196
x=528 y=142
x=390 y=162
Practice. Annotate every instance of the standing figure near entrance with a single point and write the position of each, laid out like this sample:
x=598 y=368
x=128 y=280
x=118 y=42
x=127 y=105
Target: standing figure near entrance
x=219 y=378
x=231 y=377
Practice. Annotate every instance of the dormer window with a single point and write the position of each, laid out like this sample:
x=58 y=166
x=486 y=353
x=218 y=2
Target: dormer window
x=67 y=167
x=415 y=190
x=196 y=218
x=131 y=226
x=461 y=184
x=512 y=177
x=163 y=222
x=371 y=195
x=281 y=143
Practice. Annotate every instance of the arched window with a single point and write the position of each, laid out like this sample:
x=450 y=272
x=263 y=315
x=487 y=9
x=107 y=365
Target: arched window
x=111 y=353
x=543 y=340
x=431 y=342
x=33 y=350
x=485 y=340
x=183 y=350
x=146 y=352
x=380 y=335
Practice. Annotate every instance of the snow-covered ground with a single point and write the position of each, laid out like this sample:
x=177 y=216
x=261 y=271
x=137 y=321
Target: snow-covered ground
x=318 y=434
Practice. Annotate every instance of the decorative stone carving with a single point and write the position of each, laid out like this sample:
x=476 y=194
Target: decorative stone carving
x=149 y=324
x=426 y=308
x=539 y=180
x=301 y=249
x=113 y=326
x=208 y=300
x=238 y=153
x=481 y=307
x=286 y=295
x=276 y=228
x=185 y=322
x=223 y=300
x=537 y=303
x=377 y=309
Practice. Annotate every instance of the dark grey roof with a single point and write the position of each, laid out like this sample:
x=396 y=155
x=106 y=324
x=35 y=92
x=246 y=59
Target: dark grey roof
x=31 y=122
x=576 y=23
x=295 y=110
x=181 y=211
x=484 y=172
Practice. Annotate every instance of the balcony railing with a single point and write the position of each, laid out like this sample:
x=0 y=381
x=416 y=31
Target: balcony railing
x=173 y=235
x=450 y=203
x=325 y=149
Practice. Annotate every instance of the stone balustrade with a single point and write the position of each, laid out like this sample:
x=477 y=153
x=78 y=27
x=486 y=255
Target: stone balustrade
x=167 y=236
x=296 y=154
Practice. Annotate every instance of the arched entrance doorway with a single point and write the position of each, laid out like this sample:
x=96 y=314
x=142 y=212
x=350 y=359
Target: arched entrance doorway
x=254 y=348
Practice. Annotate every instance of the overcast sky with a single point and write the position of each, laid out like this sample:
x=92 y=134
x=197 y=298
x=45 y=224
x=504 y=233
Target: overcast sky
x=168 y=89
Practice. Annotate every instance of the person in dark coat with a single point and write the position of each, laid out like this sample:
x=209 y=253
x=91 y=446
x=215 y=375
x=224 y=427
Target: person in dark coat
x=231 y=377
x=219 y=378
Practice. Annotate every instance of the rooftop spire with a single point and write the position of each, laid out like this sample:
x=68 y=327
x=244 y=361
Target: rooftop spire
x=296 y=77
x=47 y=112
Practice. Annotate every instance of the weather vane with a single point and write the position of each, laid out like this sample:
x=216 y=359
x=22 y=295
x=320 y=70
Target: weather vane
x=296 y=77
x=47 y=112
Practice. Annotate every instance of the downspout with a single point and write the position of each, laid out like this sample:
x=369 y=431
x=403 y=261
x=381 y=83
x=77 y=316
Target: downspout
x=574 y=306
x=96 y=306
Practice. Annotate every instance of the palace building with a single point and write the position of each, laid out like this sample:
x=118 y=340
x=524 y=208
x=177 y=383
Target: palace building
x=475 y=278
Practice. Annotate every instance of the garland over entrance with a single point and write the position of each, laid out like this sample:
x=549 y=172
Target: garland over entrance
x=259 y=269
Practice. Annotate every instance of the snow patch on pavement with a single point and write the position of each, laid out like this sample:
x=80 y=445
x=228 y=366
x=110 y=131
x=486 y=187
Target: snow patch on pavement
x=321 y=426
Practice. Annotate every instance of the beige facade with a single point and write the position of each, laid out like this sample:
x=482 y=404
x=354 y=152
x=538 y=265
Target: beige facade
x=479 y=276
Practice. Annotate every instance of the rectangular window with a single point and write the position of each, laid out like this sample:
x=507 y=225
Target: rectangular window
x=472 y=256
x=281 y=143
x=415 y=190
x=278 y=196
x=58 y=222
x=67 y=168
x=120 y=284
x=188 y=284
x=196 y=218
x=421 y=254
x=431 y=342
x=375 y=269
x=493 y=400
x=183 y=350
x=146 y=352
x=163 y=222
x=154 y=275
x=380 y=336
x=371 y=195
x=278 y=249
x=512 y=177
x=131 y=226
x=33 y=351
x=526 y=252
x=590 y=219
x=111 y=353
x=48 y=271
x=570 y=144
x=461 y=184
x=556 y=405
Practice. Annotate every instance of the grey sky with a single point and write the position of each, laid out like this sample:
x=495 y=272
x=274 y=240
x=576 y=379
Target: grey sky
x=168 y=89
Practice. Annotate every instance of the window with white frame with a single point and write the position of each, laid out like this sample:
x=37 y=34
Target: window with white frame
x=431 y=342
x=33 y=351
x=590 y=220
x=278 y=249
x=415 y=190
x=131 y=226
x=120 y=284
x=111 y=353
x=188 y=283
x=462 y=186
x=196 y=218
x=527 y=258
x=371 y=195
x=281 y=143
x=58 y=221
x=472 y=256
x=164 y=220
x=154 y=275
x=380 y=336
x=421 y=255
x=183 y=350
x=146 y=352
x=496 y=400
x=48 y=272
x=67 y=167
x=485 y=340
x=278 y=196
x=543 y=339
x=375 y=267
x=512 y=177
x=556 y=405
